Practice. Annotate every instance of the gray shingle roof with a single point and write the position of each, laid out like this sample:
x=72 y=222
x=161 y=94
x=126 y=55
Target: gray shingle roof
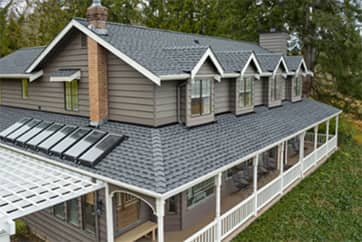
x=144 y=45
x=293 y=62
x=161 y=159
x=268 y=61
x=233 y=61
x=18 y=61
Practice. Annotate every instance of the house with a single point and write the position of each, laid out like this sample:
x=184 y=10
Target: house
x=116 y=132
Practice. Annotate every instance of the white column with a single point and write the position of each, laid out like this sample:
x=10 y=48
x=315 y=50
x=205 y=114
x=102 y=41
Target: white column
x=109 y=214
x=218 y=182
x=255 y=183
x=9 y=229
x=282 y=157
x=301 y=152
x=337 y=118
x=315 y=144
x=327 y=135
x=160 y=206
x=4 y=237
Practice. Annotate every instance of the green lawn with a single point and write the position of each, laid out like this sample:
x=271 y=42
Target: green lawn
x=326 y=206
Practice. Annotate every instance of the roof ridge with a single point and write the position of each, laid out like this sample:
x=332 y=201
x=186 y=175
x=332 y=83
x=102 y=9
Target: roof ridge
x=158 y=161
x=186 y=47
x=234 y=51
x=279 y=54
x=175 y=32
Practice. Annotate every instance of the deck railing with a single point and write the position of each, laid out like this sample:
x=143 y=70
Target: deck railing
x=291 y=175
x=269 y=192
x=206 y=234
x=239 y=214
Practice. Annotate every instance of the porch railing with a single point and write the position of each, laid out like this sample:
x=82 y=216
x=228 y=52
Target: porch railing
x=269 y=192
x=206 y=234
x=239 y=214
x=291 y=175
x=309 y=161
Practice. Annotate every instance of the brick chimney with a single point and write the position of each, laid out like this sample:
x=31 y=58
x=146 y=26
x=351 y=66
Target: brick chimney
x=97 y=17
x=274 y=41
x=97 y=67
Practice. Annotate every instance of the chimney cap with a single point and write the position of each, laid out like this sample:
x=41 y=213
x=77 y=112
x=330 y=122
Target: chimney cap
x=96 y=3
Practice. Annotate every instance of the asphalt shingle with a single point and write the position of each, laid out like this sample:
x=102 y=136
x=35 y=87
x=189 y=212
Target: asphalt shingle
x=18 y=61
x=161 y=159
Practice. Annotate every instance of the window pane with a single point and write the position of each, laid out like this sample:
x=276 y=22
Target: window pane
x=73 y=212
x=196 y=85
x=206 y=105
x=172 y=205
x=89 y=217
x=25 y=88
x=242 y=85
x=68 y=95
x=196 y=106
x=59 y=211
x=206 y=88
x=75 y=95
x=200 y=192
x=242 y=100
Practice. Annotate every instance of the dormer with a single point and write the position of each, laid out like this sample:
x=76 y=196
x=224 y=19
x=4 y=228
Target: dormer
x=297 y=71
x=274 y=83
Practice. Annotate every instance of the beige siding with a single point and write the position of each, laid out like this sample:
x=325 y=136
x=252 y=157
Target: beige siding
x=166 y=102
x=275 y=42
x=222 y=96
x=50 y=228
x=49 y=96
x=258 y=92
x=131 y=95
x=207 y=68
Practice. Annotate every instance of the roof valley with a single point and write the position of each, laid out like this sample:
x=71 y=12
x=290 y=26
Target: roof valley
x=158 y=161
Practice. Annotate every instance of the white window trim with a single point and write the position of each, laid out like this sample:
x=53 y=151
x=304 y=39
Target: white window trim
x=75 y=76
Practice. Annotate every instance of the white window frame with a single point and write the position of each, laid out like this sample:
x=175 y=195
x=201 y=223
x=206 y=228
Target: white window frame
x=202 y=94
x=246 y=86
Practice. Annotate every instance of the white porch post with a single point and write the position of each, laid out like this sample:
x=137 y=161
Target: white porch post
x=283 y=152
x=315 y=144
x=255 y=183
x=8 y=227
x=109 y=214
x=336 y=132
x=301 y=152
x=160 y=206
x=218 y=182
x=327 y=135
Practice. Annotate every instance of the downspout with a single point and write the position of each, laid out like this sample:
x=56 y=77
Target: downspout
x=178 y=87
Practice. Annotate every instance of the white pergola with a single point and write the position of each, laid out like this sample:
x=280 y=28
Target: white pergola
x=28 y=185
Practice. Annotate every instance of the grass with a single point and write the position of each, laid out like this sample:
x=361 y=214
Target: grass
x=326 y=206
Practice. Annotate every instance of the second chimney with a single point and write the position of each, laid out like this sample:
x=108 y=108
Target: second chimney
x=97 y=66
x=97 y=17
x=274 y=41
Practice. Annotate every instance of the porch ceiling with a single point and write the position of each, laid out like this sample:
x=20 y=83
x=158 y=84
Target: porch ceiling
x=28 y=185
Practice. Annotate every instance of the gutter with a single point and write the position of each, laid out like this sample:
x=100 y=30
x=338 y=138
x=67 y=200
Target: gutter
x=31 y=76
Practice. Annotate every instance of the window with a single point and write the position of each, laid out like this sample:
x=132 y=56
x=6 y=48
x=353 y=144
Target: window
x=246 y=92
x=25 y=88
x=201 y=97
x=275 y=89
x=83 y=41
x=200 y=192
x=71 y=95
x=89 y=212
x=172 y=205
x=73 y=212
x=297 y=86
x=59 y=211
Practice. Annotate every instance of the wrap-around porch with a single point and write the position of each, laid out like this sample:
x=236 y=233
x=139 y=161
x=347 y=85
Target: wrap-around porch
x=216 y=207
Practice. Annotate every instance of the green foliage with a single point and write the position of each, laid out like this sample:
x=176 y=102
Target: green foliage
x=326 y=206
x=21 y=228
